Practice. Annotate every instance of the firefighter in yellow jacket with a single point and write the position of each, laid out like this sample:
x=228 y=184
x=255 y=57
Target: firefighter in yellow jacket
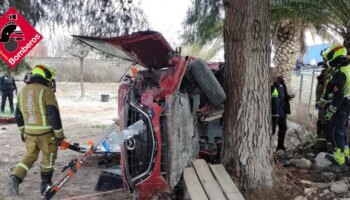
x=38 y=118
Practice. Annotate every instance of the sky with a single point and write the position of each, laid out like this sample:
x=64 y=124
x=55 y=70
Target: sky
x=166 y=17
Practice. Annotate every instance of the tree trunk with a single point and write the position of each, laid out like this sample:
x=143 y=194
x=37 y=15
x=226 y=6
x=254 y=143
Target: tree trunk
x=247 y=150
x=346 y=42
x=82 y=77
x=287 y=48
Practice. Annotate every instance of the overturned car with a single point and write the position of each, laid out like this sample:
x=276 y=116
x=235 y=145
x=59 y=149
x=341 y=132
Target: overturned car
x=178 y=98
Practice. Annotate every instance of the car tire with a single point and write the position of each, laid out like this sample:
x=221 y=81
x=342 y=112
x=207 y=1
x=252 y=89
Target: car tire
x=206 y=80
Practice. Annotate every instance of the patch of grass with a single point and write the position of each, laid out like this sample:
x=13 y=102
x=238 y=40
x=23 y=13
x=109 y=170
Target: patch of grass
x=98 y=126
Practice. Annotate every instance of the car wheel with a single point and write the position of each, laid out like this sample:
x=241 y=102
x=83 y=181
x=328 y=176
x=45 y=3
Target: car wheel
x=207 y=82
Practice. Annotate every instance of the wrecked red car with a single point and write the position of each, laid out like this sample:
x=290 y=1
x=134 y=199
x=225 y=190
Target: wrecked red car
x=179 y=99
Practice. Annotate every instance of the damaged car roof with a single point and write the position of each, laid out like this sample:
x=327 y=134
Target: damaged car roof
x=147 y=48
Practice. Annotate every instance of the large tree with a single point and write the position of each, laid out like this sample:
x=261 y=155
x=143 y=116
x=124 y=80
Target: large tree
x=247 y=151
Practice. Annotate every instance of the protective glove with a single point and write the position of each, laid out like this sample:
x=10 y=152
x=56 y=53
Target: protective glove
x=323 y=103
x=330 y=112
x=23 y=138
x=59 y=141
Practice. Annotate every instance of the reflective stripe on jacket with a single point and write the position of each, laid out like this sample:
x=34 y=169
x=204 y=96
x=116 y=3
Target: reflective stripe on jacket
x=346 y=71
x=338 y=87
x=275 y=102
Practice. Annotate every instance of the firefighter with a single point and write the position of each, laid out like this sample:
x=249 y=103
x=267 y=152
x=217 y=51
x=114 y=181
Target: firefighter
x=280 y=109
x=39 y=122
x=338 y=93
x=324 y=141
x=7 y=86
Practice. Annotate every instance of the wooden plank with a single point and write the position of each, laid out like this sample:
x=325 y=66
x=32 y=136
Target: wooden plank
x=210 y=185
x=228 y=186
x=194 y=188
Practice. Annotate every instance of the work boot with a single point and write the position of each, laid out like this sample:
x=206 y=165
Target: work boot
x=339 y=156
x=336 y=168
x=281 y=148
x=13 y=184
x=45 y=181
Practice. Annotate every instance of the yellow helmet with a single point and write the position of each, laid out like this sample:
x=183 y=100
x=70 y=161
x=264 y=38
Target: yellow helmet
x=333 y=52
x=45 y=71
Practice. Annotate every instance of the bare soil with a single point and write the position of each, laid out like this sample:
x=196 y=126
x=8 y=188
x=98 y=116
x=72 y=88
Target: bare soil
x=82 y=120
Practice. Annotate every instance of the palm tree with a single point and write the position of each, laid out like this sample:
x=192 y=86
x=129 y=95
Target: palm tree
x=339 y=20
x=289 y=20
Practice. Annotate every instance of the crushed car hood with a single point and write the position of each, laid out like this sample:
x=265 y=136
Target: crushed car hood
x=147 y=48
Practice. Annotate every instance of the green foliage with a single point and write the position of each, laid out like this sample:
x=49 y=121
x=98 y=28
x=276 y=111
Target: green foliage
x=32 y=10
x=308 y=143
x=205 y=52
x=100 y=18
x=21 y=66
x=108 y=18
x=99 y=126
x=204 y=19
x=339 y=15
x=301 y=11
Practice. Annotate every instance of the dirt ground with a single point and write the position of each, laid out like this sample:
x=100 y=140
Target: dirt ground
x=82 y=120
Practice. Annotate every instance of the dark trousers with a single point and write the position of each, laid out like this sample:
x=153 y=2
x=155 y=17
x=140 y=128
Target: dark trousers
x=6 y=95
x=340 y=123
x=282 y=129
x=324 y=128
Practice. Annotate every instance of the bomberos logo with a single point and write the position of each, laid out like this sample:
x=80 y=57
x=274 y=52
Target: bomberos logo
x=18 y=37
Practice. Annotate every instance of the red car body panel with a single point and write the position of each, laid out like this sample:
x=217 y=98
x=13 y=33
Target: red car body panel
x=155 y=182
x=148 y=50
x=170 y=83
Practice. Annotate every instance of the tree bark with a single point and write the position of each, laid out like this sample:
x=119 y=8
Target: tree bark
x=82 y=95
x=247 y=150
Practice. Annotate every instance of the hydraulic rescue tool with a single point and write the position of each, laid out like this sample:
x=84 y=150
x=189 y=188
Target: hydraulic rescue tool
x=112 y=136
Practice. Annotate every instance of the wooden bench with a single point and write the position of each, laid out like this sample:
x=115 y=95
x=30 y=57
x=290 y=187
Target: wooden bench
x=209 y=182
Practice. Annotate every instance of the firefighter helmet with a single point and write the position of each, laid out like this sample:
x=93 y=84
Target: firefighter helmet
x=45 y=71
x=334 y=52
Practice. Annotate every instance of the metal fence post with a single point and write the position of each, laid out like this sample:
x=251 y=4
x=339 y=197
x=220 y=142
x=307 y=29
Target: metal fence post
x=312 y=85
x=300 y=88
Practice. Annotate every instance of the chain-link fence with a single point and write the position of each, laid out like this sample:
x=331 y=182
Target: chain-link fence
x=303 y=105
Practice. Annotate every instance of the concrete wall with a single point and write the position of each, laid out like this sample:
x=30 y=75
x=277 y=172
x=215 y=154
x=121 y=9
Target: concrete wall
x=96 y=71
